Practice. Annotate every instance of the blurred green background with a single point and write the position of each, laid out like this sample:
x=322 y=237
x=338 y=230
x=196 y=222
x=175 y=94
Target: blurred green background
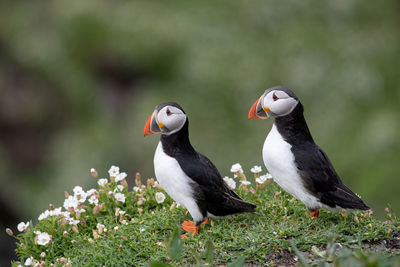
x=78 y=80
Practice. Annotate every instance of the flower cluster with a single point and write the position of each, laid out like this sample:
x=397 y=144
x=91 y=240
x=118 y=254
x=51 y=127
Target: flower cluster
x=238 y=172
x=82 y=212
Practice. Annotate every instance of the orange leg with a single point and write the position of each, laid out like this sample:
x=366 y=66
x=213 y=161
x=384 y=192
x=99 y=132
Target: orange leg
x=314 y=214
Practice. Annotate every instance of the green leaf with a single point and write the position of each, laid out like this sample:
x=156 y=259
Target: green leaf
x=175 y=246
x=209 y=253
x=239 y=262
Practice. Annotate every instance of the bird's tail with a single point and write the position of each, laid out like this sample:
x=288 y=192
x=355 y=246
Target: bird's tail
x=345 y=198
x=231 y=205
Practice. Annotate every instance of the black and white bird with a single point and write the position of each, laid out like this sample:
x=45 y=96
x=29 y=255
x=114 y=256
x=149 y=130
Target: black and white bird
x=187 y=176
x=295 y=162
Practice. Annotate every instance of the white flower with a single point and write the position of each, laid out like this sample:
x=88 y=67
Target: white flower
x=99 y=225
x=120 y=197
x=245 y=182
x=113 y=171
x=121 y=176
x=22 y=226
x=236 y=168
x=71 y=221
x=160 y=197
x=79 y=194
x=268 y=175
x=93 y=200
x=91 y=192
x=42 y=238
x=102 y=181
x=28 y=261
x=116 y=228
x=122 y=212
x=262 y=179
x=119 y=188
x=71 y=202
x=256 y=169
x=230 y=182
x=136 y=188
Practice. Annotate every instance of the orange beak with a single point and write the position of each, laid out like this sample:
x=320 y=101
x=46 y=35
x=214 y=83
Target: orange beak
x=152 y=126
x=147 y=128
x=257 y=111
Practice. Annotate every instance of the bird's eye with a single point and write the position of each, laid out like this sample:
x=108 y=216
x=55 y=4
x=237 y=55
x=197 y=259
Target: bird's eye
x=169 y=112
x=274 y=97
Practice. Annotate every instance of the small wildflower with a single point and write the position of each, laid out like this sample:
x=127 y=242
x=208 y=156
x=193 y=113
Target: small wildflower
x=113 y=171
x=140 y=211
x=245 y=183
x=102 y=181
x=96 y=209
x=120 y=197
x=344 y=213
x=120 y=176
x=116 y=228
x=124 y=183
x=42 y=238
x=95 y=234
x=93 y=200
x=236 y=168
x=256 y=169
x=43 y=254
x=94 y=173
x=71 y=203
x=262 y=179
x=22 y=226
x=230 y=182
x=138 y=179
x=120 y=248
x=91 y=240
x=355 y=218
x=9 y=232
x=75 y=229
x=150 y=182
x=119 y=188
x=160 y=197
x=28 y=261
x=136 y=189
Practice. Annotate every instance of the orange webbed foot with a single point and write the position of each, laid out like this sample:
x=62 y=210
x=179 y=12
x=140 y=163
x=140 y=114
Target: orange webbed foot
x=189 y=227
x=314 y=214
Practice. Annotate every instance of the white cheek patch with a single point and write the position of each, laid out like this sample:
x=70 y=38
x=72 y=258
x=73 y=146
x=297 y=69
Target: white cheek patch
x=175 y=122
x=283 y=107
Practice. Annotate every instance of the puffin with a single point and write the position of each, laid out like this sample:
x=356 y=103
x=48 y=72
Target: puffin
x=187 y=176
x=297 y=164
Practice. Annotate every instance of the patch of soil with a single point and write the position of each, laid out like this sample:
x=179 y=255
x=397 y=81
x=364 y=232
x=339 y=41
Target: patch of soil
x=395 y=242
x=282 y=258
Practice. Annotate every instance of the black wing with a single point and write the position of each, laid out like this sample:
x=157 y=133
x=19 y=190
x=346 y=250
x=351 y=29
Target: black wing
x=321 y=179
x=211 y=191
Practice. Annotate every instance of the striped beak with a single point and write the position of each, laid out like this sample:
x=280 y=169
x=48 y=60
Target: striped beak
x=152 y=126
x=257 y=111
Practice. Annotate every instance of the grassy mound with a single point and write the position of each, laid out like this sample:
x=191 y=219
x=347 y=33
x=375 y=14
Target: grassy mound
x=113 y=226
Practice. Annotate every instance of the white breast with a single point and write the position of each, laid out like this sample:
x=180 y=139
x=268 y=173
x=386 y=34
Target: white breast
x=279 y=160
x=175 y=182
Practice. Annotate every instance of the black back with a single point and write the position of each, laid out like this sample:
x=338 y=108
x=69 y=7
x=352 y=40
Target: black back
x=314 y=167
x=211 y=193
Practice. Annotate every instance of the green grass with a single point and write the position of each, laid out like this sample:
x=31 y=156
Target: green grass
x=281 y=226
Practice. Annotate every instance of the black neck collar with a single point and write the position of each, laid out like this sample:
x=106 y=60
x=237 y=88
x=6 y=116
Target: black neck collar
x=293 y=127
x=177 y=143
